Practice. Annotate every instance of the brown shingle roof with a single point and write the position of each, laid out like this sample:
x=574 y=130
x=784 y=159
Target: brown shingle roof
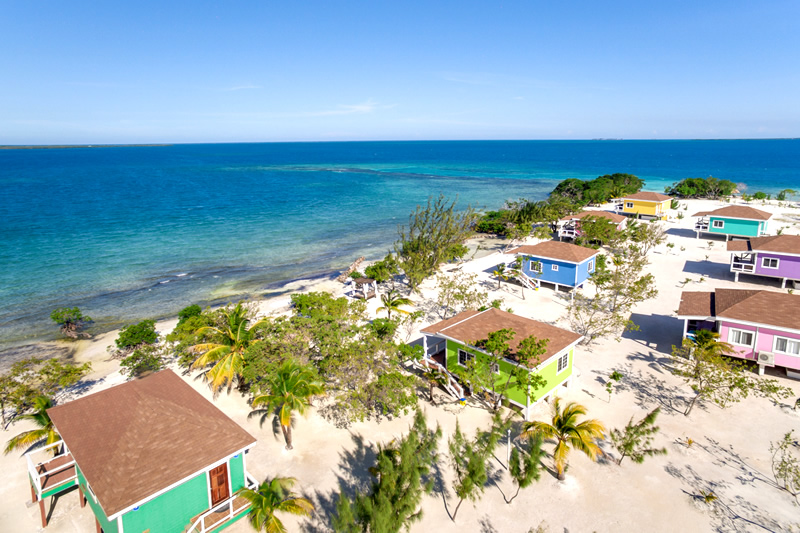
x=648 y=196
x=757 y=306
x=132 y=440
x=613 y=217
x=473 y=326
x=787 y=244
x=736 y=211
x=563 y=251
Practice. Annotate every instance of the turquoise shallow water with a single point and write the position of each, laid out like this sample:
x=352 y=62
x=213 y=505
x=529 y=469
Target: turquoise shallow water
x=136 y=232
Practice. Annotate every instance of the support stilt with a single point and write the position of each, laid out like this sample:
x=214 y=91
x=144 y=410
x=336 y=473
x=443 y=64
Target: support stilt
x=33 y=494
x=44 y=515
x=82 y=498
x=97 y=525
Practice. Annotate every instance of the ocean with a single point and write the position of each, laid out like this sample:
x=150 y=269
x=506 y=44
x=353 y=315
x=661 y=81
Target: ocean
x=134 y=232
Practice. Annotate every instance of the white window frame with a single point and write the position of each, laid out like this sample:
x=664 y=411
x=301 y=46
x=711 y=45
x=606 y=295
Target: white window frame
x=740 y=332
x=765 y=260
x=554 y=268
x=788 y=340
x=590 y=266
x=564 y=358
x=495 y=367
x=718 y=224
x=628 y=205
x=535 y=264
x=469 y=356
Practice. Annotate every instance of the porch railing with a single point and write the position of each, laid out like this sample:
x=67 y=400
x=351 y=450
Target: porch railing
x=226 y=509
x=568 y=232
x=39 y=470
x=701 y=226
x=742 y=266
x=452 y=386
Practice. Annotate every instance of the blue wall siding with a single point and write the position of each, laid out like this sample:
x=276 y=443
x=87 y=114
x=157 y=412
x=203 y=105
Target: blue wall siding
x=565 y=275
x=583 y=270
x=733 y=226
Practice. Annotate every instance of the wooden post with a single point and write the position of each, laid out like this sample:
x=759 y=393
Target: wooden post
x=33 y=494
x=97 y=525
x=82 y=497
x=44 y=515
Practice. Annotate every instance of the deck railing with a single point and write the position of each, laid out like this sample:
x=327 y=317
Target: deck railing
x=742 y=266
x=226 y=509
x=570 y=233
x=701 y=226
x=39 y=470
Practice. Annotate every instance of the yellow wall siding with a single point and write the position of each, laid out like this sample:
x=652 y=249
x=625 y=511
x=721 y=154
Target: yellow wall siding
x=645 y=208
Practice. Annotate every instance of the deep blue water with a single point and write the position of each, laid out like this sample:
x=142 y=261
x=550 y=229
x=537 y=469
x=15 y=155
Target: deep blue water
x=128 y=233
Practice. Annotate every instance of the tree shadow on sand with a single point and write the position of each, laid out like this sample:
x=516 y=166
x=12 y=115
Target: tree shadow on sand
x=657 y=332
x=728 y=512
x=648 y=388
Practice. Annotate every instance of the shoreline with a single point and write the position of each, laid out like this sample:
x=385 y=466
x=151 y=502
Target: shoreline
x=659 y=492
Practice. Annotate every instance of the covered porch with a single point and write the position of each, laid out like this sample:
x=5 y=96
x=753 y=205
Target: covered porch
x=743 y=262
x=225 y=512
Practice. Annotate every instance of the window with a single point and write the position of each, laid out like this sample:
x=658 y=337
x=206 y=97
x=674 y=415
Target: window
x=740 y=337
x=590 y=266
x=788 y=346
x=554 y=268
x=629 y=205
x=495 y=368
x=464 y=356
x=770 y=262
x=536 y=266
x=719 y=224
x=563 y=363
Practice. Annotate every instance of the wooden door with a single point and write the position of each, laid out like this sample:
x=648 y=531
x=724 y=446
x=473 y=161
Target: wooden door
x=218 y=478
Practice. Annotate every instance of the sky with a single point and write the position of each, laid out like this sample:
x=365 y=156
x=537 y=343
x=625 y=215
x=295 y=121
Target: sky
x=260 y=71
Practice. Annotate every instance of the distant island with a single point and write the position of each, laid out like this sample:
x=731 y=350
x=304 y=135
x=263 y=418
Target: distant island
x=53 y=146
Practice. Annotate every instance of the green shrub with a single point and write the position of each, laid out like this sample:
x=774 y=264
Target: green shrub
x=760 y=196
x=137 y=334
x=383 y=270
x=356 y=274
x=188 y=312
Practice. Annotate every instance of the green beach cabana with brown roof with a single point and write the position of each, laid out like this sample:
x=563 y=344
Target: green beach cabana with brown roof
x=454 y=341
x=154 y=455
x=733 y=221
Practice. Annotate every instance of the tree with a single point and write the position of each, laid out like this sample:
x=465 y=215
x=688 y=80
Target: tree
x=223 y=353
x=458 y=292
x=432 y=237
x=434 y=378
x=500 y=273
x=401 y=477
x=785 y=464
x=525 y=467
x=135 y=335
x=719 y=379
x=274 y=496
x=468 y=459
x=645 y=236
x=29 y=378
x=568 y=433
x=188 y=312
x=290 y=391
x=781 y=196
x=71 y=321
x=596 y=229
x=620 y=285
x=496 y=345
x=142 y=361
x=392 y=301
x=45 y=432
x=635 y=440
x=383 y=270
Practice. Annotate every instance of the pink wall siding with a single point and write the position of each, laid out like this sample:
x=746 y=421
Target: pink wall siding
x=764 y=342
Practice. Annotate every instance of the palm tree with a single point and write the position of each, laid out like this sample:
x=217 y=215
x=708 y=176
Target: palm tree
x=708 y=341
x=227 y=354
x=291 y=389
x=272 y=496
x=500 y=273
x=392 y=301
x=567 y=431
x=434 y=377
x=45 y=432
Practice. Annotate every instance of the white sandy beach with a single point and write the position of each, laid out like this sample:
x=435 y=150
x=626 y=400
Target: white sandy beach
x=730 y=455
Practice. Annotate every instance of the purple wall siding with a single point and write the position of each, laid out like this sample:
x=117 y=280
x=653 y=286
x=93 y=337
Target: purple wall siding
x=788 y=266
x=764 y=342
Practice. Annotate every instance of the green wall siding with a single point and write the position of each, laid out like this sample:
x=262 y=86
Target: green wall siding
x=747 y=228
x=108 y=527
x=548 y=372
x=236 y=466
x=172 y=511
